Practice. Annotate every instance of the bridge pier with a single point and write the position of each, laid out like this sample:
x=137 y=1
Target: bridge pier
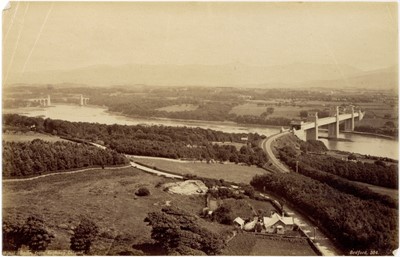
x=312 y=134
x=333 y=129
x=349 y=124
x=83 y=100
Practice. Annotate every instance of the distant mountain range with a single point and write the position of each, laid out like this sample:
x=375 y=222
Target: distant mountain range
x=293 y=75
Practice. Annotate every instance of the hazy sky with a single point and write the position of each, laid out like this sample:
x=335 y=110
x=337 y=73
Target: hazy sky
x=50 y=36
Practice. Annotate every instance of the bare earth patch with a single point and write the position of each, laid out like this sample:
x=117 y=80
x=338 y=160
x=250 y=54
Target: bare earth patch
x=187 y=187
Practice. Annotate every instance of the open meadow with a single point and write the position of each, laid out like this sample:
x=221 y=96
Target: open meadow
x=29 y=136
x=228 y=172
x=107 y=197
x=257 y=109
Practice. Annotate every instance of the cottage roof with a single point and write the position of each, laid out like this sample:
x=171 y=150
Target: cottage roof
x=269 y=221
x=239 y=221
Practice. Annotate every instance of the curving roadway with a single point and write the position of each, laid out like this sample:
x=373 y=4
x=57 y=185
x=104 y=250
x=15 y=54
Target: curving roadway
x=266 y=146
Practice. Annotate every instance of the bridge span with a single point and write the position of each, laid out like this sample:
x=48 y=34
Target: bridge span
x=45 y=101
x=309 y=130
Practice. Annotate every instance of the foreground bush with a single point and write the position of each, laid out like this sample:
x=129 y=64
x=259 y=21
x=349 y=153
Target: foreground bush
x=179 y=233
x=32 y=233
x=84 y=235
x=143 y=191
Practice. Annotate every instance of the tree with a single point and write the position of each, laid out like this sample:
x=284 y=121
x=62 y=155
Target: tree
x=223 y=215
x=303 y=114
x=352 y=157
x=177 y=232
x=11 y=236
x=35 y=235
x=380 y=163
x=84 y=235
x=249 y=191
x=389 y=124
x=143 y=191
x=32 y=233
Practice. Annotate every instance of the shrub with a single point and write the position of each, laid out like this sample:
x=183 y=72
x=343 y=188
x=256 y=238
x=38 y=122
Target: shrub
x=32 y=234
x=143 y=191
x=84 y=235
x=223 y=215
x=352 y=157
x=249 y=191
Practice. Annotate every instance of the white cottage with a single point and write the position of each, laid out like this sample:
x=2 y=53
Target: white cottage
x=278 y=224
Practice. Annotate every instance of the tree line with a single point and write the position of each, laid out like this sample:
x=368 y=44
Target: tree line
x=38 y=156
x=296 y=162
x=354 y=222
x=377 y=173
x=159 y=141
x=340 y=183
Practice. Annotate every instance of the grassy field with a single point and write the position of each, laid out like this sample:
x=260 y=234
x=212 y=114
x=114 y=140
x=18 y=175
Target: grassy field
x=107 y=197
x=179 y=108
x=279 y=111
x=228 y=172
x=249 y=244
x=29 y=136
x=248 y=109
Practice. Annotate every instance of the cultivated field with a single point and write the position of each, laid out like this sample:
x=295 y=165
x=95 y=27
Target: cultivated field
x=228 y=172
x=29 y=136
x=249 y=244
x=107 y=197
x=279 y=111
x=179 y=108
x=248 y=109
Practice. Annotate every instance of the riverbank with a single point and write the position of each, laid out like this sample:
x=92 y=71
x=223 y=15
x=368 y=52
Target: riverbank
x=192 y=122
x=369 y=134
x=337 y=139
x=364 y=144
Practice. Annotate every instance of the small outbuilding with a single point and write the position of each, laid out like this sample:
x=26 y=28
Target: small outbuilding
x=250 y=226
x=239 y=222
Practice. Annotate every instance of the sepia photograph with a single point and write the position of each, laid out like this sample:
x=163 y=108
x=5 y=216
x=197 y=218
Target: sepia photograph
x=200 y=128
